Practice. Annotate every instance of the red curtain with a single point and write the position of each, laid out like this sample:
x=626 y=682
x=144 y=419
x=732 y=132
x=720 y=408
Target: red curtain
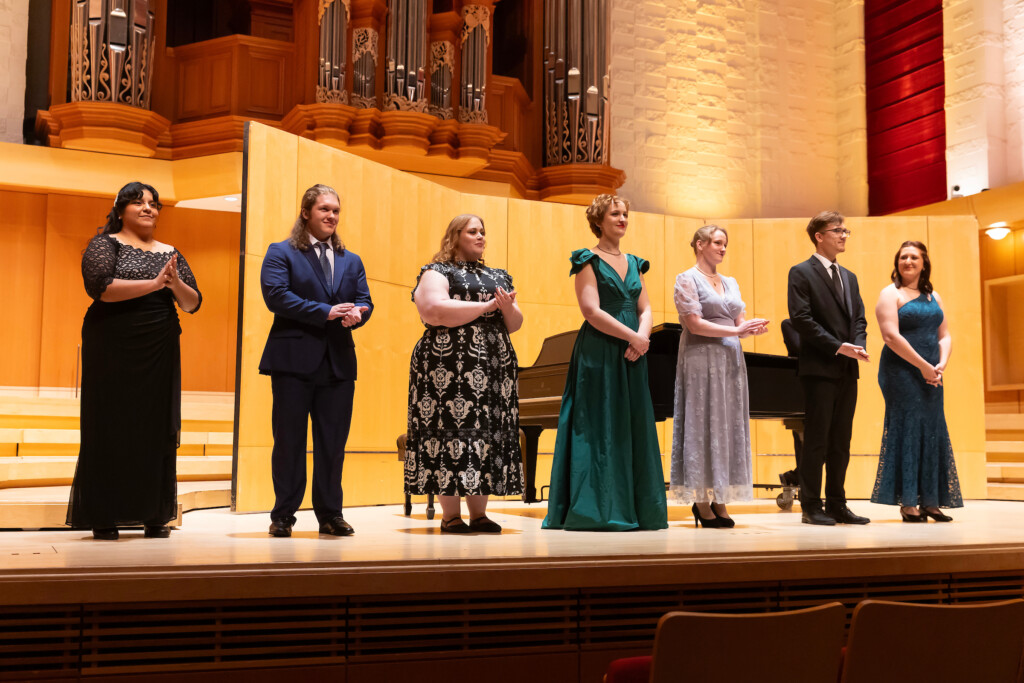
x=905 y=94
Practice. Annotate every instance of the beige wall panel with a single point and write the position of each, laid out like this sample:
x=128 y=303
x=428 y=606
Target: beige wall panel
x=272 y=198
x=953 y=248
x=22 y=277
x=254 y=388
x=645 y=237
x=383 y=349
x=70 y=223
x=271 y=203
x=541 y=236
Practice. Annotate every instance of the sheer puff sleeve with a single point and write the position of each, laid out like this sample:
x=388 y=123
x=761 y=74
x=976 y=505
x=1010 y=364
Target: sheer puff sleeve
x=98 y=263
x=189 y=278
x=686 y=298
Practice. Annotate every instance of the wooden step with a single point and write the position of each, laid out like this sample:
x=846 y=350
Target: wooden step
x=1005 y=472
x=47 y=507
x=1004 y=451
x=1004 y=421
x=20 y=472
x=1003 y=491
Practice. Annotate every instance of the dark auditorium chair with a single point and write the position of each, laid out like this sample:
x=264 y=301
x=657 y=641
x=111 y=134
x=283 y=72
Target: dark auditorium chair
x=696 y=646
x=894 y=642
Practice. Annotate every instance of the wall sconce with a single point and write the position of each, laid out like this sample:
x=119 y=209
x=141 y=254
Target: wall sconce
x=998 y=231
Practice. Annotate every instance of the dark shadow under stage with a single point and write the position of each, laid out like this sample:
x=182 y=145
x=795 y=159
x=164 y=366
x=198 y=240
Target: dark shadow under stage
x=221 y=600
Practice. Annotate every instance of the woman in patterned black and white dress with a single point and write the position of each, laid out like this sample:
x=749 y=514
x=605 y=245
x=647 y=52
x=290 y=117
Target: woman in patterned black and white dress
x=463 y=436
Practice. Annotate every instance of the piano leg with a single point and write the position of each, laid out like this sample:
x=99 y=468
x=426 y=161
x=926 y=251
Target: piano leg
x=530 y=463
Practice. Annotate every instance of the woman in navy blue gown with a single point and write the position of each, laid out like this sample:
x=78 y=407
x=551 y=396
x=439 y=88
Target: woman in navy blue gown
x=915 y=467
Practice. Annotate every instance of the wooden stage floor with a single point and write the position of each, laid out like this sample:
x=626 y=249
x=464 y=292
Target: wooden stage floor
x=222 y=601
x=217 y=554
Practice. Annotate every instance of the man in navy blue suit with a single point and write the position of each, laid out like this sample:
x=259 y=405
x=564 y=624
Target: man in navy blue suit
x=317 y=292
x=828 y=314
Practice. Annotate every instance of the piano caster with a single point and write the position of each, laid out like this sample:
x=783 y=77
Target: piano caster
x=786 y=498
x=430 y=505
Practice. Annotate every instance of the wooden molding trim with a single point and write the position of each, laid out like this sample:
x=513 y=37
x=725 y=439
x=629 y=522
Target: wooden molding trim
x=102 y=127
x=577 y=183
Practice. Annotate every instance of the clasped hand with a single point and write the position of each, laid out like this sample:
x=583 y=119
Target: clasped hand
x=168 y=275
x=855 y=352
x=638 y=346
x=753 y=327
x=349 y=313
x=932 y=375
x=504 y=301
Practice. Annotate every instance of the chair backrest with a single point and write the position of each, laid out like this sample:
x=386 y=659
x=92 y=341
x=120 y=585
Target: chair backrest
x=894 y=641
x=801 y=646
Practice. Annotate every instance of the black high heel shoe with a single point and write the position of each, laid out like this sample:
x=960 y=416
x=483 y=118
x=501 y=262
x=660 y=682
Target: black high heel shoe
x=723 y=522
x=937 y=516
x=698 y=521
x=914 y=519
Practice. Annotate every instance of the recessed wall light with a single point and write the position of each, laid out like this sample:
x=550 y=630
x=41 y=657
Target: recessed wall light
x=998 y=230
x=231 y=198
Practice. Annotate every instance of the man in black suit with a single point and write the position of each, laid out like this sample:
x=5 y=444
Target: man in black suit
x=318 y=294
x=828 y=314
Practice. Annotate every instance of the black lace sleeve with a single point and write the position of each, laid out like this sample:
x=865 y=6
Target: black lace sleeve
x=186 y=275
x=98 y=263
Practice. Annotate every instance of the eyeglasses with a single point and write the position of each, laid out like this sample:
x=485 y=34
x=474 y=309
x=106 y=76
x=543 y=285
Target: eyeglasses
x=842 y=232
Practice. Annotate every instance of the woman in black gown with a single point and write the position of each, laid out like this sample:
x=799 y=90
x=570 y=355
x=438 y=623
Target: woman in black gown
x=131 y=372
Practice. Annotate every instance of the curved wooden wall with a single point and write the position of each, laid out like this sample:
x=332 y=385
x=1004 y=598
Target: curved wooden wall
x=394 y=221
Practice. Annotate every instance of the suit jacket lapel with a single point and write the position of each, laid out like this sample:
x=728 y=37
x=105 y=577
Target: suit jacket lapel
x=318 y=270
x=844 y=274
x=826 y=281
x=340 y=263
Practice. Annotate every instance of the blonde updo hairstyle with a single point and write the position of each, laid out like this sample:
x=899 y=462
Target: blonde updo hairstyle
x=450 y=241
x=705 y=234
x=599 y=207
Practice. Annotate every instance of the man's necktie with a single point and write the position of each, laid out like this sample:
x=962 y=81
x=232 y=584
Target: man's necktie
x=837 y=285
x=325 y=263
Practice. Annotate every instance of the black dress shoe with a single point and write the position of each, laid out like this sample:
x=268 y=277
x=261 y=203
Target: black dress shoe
x=105 y=534
x=484 y=525
x=789 y=478
x=913 y=519
x=280 y=528
x=455 y=525
x=817 y=516
x=937 y=516
x=157 y=531
x=723 y=522
x=843 y=515
x=337 y=526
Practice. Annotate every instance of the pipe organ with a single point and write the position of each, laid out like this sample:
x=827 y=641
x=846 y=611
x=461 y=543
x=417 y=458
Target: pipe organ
x=334 y=22
x=405 y=83
x=575 y=82
x=111 y=51
x=476 y=34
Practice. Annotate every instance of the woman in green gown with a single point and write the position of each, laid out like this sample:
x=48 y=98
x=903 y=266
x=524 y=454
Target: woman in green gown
x=606 y=474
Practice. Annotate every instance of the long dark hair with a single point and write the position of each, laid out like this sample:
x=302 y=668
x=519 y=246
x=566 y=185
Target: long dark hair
x=924 y=283
x=127 y=194
x=300 y=234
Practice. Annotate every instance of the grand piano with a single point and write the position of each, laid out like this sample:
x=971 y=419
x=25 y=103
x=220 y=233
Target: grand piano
x=775 y=391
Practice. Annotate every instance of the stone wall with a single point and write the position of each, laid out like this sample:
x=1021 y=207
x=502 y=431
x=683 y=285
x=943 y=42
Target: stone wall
x=739 y=108
x=13 y=44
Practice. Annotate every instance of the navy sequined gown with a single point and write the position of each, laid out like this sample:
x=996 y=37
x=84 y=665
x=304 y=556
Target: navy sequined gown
x=915 y=466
